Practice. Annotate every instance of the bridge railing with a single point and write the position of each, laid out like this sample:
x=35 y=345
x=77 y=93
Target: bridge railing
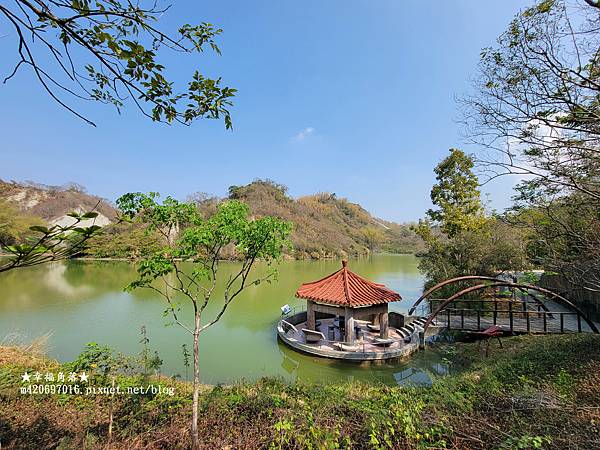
x=489 y=304
x=515 y=320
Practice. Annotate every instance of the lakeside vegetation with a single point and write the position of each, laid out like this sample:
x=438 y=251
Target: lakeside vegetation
x=533 y=114
x=524 y=396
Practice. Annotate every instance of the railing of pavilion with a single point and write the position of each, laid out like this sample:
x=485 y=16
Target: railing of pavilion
x=352 y=346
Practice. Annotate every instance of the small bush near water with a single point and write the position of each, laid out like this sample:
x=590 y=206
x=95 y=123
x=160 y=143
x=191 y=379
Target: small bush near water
x=537 y=392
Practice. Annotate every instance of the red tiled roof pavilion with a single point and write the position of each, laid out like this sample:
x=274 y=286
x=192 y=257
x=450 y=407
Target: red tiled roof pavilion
x=346 y=289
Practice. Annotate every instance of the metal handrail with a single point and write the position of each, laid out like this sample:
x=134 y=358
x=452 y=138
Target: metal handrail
x=422 y=310
x=289 y=325
x=514 y=312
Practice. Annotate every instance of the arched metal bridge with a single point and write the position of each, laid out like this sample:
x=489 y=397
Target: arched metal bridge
x=536 y=310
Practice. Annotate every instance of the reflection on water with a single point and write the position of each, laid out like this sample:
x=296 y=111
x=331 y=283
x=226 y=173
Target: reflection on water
x=421 y=369
x=54 y=279
x=84 y=301
x=412 y=375
x=416 y=376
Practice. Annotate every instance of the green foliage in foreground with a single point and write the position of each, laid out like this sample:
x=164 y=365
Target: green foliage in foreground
x=111 y=50
x=539 y=392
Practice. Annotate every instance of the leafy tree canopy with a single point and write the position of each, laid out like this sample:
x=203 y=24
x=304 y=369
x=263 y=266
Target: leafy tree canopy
x=456 y=195
x=203 y=241
x=535 y=113
x=463 y=240
x=536 y=104
x=108 y=51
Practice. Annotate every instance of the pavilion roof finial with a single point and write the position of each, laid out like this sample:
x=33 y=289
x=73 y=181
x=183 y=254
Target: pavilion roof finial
x=344 y=263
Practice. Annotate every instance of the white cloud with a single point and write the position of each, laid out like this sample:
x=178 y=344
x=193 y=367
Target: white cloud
x=303 y=134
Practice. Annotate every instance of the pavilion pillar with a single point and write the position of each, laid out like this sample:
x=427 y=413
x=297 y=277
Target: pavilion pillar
x=349 y=319
x=310 y=315
x=383 y=325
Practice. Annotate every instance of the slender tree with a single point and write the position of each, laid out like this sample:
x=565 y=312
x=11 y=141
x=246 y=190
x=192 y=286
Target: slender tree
x=460 y=239
x=201 y=243
x=456 y=195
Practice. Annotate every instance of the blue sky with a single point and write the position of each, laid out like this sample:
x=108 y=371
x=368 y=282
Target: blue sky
x=355 y=97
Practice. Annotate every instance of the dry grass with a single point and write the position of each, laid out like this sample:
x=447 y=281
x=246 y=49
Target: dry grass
x=15 y=350
x=537 y=392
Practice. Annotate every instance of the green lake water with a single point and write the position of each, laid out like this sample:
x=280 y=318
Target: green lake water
x=83 y=301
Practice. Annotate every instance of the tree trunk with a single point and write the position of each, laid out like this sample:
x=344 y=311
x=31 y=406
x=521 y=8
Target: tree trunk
x=110 y=413
x=195 y=439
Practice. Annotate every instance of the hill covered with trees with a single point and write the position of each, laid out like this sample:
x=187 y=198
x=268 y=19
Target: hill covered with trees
x=324 y=225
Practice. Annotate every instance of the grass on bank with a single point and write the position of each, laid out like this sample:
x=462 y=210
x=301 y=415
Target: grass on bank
x=538 y=392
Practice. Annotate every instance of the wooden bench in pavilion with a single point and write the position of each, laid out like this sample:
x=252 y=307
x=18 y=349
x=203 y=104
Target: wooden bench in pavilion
x=383 y=342
x=313 y=336
x=374 y=327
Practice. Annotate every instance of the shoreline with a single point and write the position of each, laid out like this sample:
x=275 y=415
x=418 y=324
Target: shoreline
x=286 y=258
